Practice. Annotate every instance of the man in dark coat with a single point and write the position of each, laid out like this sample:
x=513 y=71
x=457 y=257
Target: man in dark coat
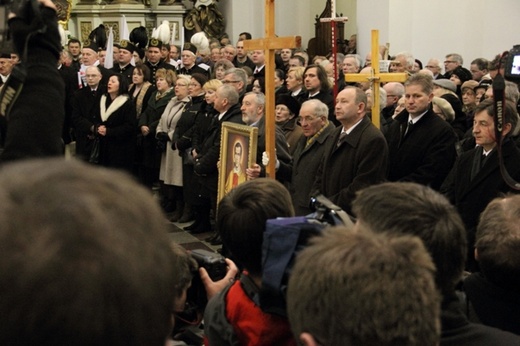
x=253 y=114
x=206 y=154
x=476 y=179
x=153 y=59
x=356 y=153
x=421 y=144
x=307 y=154
x=188 y=57
x=85 y=104
x=124 y=58
x=416 y=210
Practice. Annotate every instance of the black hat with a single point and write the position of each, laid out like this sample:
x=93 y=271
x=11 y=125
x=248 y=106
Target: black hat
x=91 y=45
x=99 y=37
x=154 y=43
x=290 y=102
x=190 y=47
x=200 y=78
x=125 y=44
x=463 y=73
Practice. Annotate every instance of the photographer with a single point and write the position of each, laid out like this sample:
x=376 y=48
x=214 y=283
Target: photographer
x=33 y=121
x=233 y=316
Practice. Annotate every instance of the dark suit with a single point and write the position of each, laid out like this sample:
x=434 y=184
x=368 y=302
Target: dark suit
x=194 y=69
x=85 y=106
x=153 y=69
x=206 y=161
x=471 y=196
x=425 y=155
x=282 y=150
x=302 y=171
x=126 y=71
x=360 y=161
x=70 y=78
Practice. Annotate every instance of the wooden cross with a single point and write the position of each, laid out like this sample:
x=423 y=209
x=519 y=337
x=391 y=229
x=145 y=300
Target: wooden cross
x=269 y=44
x=375 y=78
x=333 y=20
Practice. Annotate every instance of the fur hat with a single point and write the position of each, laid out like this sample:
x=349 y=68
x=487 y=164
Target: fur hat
x=290 y=102
x=190 y=47
x=446 y=84
x=463 y=73
x=139 y=37
x=127 y=45
x=99 y=37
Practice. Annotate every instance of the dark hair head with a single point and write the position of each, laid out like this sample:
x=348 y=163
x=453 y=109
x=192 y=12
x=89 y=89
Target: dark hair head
x=74 y=40
x=426 y=214
x=381 y=285
x=92 y=265
x=123 y=83
x=246 y=34
x=145 y=70
x=498 y=241
x=242 y=215
x=510 y=113
x=322 y=76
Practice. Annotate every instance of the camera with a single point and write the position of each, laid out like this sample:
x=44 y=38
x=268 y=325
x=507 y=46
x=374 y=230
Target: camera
x=214 y=263
x=512 y=65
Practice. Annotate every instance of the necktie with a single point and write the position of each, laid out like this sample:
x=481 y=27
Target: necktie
x=409 y=127
x=256 y=70
x=341 y=138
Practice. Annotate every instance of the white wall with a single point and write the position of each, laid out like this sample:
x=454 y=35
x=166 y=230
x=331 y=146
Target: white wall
x=472 y=28
x=292 y=17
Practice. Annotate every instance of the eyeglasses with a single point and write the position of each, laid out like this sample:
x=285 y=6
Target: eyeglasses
x=307 y=119
x=181 y=85
x=431 y=66
x=449 y=62
x=194 y=84
x=230 y=81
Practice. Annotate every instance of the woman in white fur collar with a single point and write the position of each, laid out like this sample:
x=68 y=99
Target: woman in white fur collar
x=117 y=129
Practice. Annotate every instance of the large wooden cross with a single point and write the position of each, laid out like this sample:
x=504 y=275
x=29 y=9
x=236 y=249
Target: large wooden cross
x=333 y=20
x=375 y=78
x=269 y=44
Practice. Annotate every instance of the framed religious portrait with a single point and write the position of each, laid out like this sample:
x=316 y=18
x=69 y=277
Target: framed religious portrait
x=237 y=152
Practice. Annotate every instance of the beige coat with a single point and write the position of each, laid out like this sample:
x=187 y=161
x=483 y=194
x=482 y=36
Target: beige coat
x=171 y=162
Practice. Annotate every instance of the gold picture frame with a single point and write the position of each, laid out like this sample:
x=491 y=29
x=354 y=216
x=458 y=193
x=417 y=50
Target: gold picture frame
x=242 y=141
x=63 y=9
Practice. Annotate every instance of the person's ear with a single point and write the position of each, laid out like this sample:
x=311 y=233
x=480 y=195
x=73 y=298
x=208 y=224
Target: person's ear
x=307 y=340
x=506 y=129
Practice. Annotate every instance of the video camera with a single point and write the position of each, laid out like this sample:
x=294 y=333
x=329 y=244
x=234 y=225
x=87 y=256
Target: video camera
x=512 y=65
x=283 y=239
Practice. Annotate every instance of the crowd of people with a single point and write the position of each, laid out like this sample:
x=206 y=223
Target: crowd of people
x=432 y=257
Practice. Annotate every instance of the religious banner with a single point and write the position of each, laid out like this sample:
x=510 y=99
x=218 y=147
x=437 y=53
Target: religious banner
x=237 y=152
